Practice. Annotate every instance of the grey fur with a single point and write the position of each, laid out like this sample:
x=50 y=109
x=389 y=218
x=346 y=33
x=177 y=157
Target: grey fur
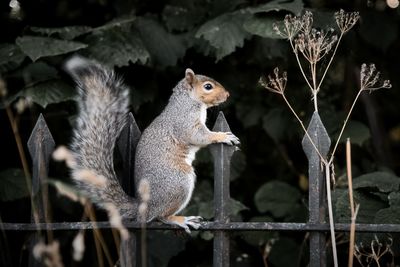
x=103 y=107
x=165 y=150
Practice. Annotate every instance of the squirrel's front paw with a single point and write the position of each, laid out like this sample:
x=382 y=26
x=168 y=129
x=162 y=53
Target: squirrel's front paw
x=230 y=139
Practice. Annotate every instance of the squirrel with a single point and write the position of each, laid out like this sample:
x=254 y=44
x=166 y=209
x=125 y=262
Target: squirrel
x=166 y=148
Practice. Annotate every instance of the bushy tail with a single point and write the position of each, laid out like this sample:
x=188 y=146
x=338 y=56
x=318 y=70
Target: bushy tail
x=103 y=108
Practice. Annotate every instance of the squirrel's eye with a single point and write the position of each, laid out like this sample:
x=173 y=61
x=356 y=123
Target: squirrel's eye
x=208 y=86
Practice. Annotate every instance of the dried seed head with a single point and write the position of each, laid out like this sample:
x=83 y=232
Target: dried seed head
x=49 y=254
x=275 y=83
x=78 y=245
x=22 y=104
x=116 y=220
x=291 y=26
x=89 y=176
x=369 y=76
x=144 y=190
x=307 y=22
x=346 y=20
x=15 y=9
x=315 y=44
x=64 y=154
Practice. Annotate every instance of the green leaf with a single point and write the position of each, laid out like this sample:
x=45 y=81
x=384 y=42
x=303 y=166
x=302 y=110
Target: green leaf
x=38 y=47
x=162 y=246
x=117 y=47
x=67 y=33
x=250 y=112
x=182 y=18
x=238 y=164
x=37 y=72
x=369 y=206
x=258 y=238
x=11 y=57
x=235 y=207
x=285 y=252
x=262 y=21
x=381 y=181
x=261 y=26
x=225 y=33
x=49 y=92
x=278 y=124
x=13 y=185
x=277 y=197
x=165 y=48
x=388 y=215
x=356 y=131
x=394 y=199
x=295 y=7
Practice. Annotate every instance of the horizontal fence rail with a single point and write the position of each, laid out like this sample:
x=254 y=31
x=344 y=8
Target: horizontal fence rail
x=207 y=226
x=41 y=145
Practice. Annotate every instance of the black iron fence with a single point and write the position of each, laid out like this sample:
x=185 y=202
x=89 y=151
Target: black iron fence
x=41 y=146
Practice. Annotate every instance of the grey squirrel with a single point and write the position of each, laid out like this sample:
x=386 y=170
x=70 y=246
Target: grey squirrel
x=165 y=151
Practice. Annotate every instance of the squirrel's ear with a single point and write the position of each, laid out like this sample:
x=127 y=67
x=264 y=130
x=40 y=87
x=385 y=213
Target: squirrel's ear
x=190 y=76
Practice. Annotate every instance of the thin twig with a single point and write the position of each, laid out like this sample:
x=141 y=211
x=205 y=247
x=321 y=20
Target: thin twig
x=304 y=129
x=99 y=238
x=300 y=66
x=344 y=126
x=330 y=213
x=330 y=61
x=353 y=212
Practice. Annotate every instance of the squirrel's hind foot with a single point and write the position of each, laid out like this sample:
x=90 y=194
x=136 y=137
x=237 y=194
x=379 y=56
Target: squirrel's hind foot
x=184 y=222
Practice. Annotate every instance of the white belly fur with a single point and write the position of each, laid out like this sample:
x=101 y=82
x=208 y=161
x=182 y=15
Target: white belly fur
x=192 y=179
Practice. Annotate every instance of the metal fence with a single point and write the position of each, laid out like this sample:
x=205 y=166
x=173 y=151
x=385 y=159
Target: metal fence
x=41 y=146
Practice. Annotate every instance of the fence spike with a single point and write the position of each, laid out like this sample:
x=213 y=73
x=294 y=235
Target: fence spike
x=127 y=143
x=316 y=197
x=40 y=145
x=222 y=155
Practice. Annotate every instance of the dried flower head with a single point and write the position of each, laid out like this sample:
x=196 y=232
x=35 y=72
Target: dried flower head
x=78 y=245
x=69 y=192
x=275 y=83
x=346 y=20
x=64 y=154
x=144 y=192
x=291 y=26
x=315 y=44
x=15 y=9
x=49 y=254
x=369 y=76
x=89 y=176
x=116 y=220
x=307 y=21
x=22 y=104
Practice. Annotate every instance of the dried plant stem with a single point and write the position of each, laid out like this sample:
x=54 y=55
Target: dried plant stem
x=354 y=211
x=330 y=61
x=117 y=241
x=344 y=125
x=313 y=67
x=323 y=160
x=330 y=213
x=299 y=63
x=22 y=156
x=98 y=238
x=143 y=244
